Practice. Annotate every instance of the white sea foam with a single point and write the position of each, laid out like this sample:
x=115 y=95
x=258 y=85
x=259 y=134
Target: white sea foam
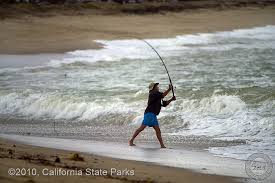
x=221 y=115
x=217 y=115
x=58 y=107
x=115 y=50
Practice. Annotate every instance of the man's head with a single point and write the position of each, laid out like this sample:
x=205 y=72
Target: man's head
x=153 y=87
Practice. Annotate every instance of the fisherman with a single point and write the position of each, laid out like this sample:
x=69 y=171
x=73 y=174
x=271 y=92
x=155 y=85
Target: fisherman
x=153 y=109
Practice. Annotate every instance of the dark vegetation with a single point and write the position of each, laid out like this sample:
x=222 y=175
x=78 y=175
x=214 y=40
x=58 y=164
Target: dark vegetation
x=13 y=8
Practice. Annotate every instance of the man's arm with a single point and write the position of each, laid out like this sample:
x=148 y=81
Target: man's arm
x=166 y=103
x=167 y=91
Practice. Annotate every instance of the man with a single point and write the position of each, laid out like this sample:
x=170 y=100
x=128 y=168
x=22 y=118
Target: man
x=152 y=110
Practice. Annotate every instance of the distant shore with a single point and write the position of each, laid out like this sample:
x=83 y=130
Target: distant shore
x=59 y=33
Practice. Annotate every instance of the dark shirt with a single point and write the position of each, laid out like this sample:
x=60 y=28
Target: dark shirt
x=154 y=102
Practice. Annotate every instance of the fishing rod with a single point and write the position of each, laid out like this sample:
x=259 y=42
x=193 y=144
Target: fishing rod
x=162 y=63
x=135 y=37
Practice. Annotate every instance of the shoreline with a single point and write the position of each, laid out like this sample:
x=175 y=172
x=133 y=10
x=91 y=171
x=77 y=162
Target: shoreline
x=59 y=34
x=15 y=152
x=150 y=153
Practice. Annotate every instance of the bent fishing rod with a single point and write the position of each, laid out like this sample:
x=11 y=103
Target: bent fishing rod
x=135 y=37
x=162 y=63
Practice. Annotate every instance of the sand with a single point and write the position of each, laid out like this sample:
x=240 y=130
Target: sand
x=17 y=155
x=58 y=34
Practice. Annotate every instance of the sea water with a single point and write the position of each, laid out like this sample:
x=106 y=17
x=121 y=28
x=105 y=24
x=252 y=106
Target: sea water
x=225 y=89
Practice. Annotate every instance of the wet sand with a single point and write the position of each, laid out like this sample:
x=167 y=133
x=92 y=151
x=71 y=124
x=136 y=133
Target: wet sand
x=18 y=155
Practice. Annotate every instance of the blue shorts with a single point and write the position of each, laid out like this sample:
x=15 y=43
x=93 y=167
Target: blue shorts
x=150 y=119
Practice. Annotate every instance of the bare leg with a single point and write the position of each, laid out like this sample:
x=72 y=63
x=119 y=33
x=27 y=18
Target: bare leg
x=158 y=133
x=140 y=129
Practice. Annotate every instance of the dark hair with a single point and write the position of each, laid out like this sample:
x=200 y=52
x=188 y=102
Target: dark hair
x=154 y=87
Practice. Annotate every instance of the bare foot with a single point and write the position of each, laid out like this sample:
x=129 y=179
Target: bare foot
x=131 y=143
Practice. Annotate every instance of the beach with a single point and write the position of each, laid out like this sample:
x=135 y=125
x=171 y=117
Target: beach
x=74 y=86
x=19 y=155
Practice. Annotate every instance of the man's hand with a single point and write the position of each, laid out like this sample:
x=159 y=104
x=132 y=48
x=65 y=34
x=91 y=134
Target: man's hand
x=166 y=103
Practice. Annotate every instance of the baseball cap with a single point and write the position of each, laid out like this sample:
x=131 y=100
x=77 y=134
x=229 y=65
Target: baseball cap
x=152 y=85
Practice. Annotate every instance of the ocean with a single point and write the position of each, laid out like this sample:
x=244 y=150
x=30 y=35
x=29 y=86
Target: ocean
x=225 y=89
